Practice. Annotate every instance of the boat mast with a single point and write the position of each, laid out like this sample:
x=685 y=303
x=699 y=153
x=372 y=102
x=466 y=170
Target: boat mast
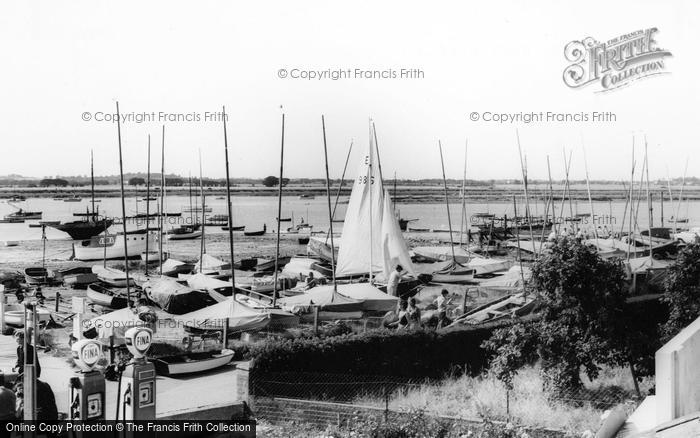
x=190 y=197
x=651 y=248
x=369 y=170
x=464 y=197
x=121 y=191
x=337 y=193
x=629 y=233
x=279 y=217
x=148 y=196
x=447 y=203
x=162 y=198
x=230 y=212
x=680 y=198
x=92 y=185
x=330 y=213
x=523 y=169
x=590 y=199
x=567 y=168
x=202 y=248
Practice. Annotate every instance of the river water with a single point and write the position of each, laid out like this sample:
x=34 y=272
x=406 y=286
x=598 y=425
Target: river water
x=254 y=211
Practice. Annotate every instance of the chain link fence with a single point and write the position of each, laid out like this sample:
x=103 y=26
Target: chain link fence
x=340 y=399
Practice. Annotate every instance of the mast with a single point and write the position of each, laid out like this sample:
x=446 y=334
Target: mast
x=646 y=152
x=279 y=217
x=230 y=213
x=369 y=165
x=590 y=199
x=328 y=196
x=148 y=197
x=121 y=191
x=337 y=193
x=162 y=199
x=92 y=186
x=680 y=198
x=631 y=202
x=464 y=197
x=447 y=203
x=567 y=168
x=190 y=196
x=379 y=160
x=523 y=169
x=202 y=248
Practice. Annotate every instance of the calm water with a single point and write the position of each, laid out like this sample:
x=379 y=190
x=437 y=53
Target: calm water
x=254 y=211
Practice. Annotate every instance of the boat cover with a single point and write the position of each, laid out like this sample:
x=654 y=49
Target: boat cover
x=174 y=297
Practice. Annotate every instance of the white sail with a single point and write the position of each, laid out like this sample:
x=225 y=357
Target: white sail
x=363 y=221
x=394 y=248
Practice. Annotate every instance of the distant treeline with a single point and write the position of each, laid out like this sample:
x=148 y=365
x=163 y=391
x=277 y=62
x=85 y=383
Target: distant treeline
x=269 y=181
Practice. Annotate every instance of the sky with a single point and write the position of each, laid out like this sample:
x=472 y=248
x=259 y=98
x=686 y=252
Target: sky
x=63 y=60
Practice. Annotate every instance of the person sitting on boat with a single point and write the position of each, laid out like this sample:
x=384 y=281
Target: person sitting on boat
x=392 y=287
x=414 y=314
x=443 y=302
x=310 y=281
x=22 y=349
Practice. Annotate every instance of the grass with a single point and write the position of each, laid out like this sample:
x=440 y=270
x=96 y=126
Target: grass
x=485 y=396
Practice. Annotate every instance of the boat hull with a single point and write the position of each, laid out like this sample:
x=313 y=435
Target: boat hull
x=176 y=365
x=14 y=315
x=96 y=248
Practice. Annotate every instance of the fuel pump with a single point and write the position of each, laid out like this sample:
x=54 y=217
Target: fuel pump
x=87 y=388
x=138 y=382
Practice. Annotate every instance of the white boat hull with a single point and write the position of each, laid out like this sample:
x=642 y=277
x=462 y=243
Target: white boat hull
x=14 y=315
x=169 y=367
x=88 y=250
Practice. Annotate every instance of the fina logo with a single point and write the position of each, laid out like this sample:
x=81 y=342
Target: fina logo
x=90 y=353
x=615 y=63
x=142 y=340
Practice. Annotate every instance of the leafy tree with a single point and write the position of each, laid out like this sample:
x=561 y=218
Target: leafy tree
x=581 y=325
x=682 y=291
x=270 y=181
x=136 y=181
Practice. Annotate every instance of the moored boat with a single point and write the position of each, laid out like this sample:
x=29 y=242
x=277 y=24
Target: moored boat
x=106 y=297
x=14 y=315
x=185 y=232
x=110 y=246
x=111 y=276
x=256 y=233
x=37 y=275
x=192 y=363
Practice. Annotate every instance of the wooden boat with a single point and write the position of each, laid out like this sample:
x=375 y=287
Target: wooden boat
x=303 y=240
x=453 y=273
x=10 y=243
x=307 y=197
x=11 y=221
x=217 y=220
x=37 y=276
x=236 y=228
x=72 y=199
x=285 y=219
x=106 y=297
x=83 y=230
x=111 y=276
x=172 y=267
x=196 y=209
x=49 y=222
x=77 y=278
x=14 y=315
x=185 y=232
x=110 y=246
x=506 y=307
x=192 y=363
x=24 y=215
x=256 y=233
x=153 y=256
x=263 y=265
x=88 y=214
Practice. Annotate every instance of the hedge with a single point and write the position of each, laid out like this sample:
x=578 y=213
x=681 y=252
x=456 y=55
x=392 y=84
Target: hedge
x=416 y=354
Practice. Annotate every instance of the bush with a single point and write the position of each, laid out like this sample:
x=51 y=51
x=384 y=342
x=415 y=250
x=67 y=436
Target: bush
x=416 y=354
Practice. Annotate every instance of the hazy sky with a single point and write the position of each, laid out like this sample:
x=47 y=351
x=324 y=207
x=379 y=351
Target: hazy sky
x=62 y=59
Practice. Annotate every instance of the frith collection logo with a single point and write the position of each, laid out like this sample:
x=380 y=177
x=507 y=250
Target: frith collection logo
x=615 y=63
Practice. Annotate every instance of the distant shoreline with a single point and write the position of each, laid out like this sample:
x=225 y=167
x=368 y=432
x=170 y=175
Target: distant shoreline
x=427 y=194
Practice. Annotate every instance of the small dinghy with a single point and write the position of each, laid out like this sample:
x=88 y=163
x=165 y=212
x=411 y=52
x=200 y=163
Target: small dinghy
x=37 y=276
x=153 y=256
x=185 y=232
x=106 y=297
x=256 y=233
x=77 y=278
x=192 y=363
x=14 y=315
x=234 y=228
x=173 y=267
x=10 y=243
x=111 y=276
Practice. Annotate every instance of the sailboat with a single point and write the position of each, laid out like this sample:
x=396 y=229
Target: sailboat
x=92 y=225
x=372 y=242
x=192 y=230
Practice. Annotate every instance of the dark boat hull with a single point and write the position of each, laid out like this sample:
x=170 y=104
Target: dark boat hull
x=82 y=230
